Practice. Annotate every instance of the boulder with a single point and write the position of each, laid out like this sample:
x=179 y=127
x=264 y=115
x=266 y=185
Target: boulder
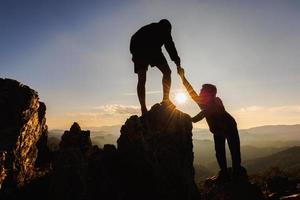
x=157 y=151
x=70 y=165
x=235 y=188
x=153 y=160
x=23 y=134
x=291 y=197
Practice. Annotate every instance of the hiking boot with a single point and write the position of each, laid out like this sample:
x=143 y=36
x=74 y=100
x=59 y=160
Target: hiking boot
x=239 y=173
x=223 y=176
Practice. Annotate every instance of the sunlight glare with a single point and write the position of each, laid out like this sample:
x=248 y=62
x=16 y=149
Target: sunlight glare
x=180 y=97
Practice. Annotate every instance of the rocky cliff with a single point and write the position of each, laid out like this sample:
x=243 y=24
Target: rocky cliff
x=235 y=188
x=153 y=160
x=158 y=150
x=22 y=130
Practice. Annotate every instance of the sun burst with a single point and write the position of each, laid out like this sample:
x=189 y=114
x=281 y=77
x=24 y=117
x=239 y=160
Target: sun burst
x=180 y=97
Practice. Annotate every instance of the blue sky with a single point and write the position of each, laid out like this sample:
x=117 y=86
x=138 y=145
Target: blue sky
x=76 y=55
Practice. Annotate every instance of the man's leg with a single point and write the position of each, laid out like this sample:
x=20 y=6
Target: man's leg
x=233 y=141
x=220 y=151
x=166 y=80
x=141 y=91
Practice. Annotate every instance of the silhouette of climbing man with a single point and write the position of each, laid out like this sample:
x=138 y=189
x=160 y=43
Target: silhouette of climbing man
x=221 y=124
x=145 y=47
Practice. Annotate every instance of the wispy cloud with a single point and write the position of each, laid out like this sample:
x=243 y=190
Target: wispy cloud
x=288 y=108
x=252 y=116
x=104 y=115
x=118 y=109
x=294 y=108
x=107 y=110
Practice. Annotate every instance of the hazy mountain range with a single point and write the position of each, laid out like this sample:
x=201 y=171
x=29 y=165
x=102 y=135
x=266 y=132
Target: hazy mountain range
x=261 y=147
x=281 y=135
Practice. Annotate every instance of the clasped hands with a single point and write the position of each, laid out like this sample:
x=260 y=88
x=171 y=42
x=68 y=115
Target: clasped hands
x=180 y=71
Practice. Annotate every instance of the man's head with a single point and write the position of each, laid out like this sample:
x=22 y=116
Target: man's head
x=165 y=24
x=208 y=90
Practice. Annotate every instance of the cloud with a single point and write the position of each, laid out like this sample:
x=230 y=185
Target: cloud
x=288 y=108
x=104 y=115
x=252 y=116
x=119 y=109
x=251 y=109
x=107 y=110
x=294 y=108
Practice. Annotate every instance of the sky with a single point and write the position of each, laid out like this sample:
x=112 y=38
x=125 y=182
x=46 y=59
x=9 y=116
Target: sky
x=76 y=55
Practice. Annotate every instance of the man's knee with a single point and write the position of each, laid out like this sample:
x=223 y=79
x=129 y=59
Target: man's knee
x=165 y=69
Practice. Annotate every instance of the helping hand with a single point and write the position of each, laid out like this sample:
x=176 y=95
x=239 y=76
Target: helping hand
x=180 y=71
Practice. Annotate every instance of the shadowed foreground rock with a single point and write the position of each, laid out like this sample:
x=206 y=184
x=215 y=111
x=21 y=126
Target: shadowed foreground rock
x=157 y=150
x=154 y=160
x=70 y=165
x=23 y=136
x=234 y=189
x=282 y=188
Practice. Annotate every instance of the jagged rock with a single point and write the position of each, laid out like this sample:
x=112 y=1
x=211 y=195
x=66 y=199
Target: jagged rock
x=236 y=188
x=76 y=138
x=281 y=187
x=44 y=157
x=154 y=160
x=106 y=174
x=157 y=151
x=22 y=127
x=291 y=197
x=70 y=165
x=83 y=170
x=3 y=172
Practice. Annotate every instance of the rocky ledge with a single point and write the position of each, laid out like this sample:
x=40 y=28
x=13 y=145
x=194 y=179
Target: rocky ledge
x=23 y=135
x=153 y=160
x=157 y=148
x=234 y=188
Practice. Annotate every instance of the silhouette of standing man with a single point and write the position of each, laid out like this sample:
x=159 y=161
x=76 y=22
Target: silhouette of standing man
x=145 y=47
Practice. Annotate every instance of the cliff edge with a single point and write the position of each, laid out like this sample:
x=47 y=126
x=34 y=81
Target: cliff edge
x=157 y=149
x=23 y=134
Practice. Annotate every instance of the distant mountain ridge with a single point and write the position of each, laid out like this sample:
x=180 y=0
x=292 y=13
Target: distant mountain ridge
x=275 y=136
x=266 y=129
x=288 y=159
x=295 y=127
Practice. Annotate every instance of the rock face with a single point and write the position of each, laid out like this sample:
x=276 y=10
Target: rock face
x=154 y=160
x=282 y=188
x=76 y=139
x=70 y=165
x=83 y=170
x=22 y=130
x=157 y=150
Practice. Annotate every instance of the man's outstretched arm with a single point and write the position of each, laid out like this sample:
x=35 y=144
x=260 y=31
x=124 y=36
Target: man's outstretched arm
x=188 y=86
x=171 y=49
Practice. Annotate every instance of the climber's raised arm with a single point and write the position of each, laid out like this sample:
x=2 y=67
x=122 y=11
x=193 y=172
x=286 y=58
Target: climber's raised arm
x=198 y=117
x=188 y=86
